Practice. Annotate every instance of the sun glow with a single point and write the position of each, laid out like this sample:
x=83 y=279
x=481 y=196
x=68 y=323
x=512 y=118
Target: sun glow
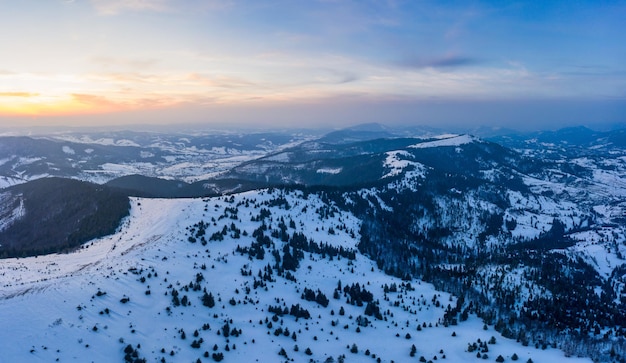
x=41 y=105
x=38 y=94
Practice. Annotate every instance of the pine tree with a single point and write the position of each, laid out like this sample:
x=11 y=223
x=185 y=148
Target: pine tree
x=208 y=300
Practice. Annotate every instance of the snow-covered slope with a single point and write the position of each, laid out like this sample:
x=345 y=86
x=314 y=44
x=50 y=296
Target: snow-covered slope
x=447 y=140
x=144 y=287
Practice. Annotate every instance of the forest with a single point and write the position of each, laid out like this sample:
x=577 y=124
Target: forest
x=60 y=215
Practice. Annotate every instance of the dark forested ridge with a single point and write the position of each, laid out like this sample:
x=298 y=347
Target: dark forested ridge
x=58 y=214
x=152 y=187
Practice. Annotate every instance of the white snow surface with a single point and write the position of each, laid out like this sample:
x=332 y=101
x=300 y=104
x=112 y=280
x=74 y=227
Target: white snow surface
x=68 y=150
x=452 y=140
x=107 y=141
x=397 y=161
x=329 y=170
x=596 y=252
x=6 y=182
x=50 y=309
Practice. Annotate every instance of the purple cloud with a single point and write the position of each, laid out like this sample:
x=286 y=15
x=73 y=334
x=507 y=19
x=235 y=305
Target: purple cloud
x=448 y=61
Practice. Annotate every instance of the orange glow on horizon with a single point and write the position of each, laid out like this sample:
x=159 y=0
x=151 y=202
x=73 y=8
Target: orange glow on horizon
x=24 y=104
x=44 y=109
x=28 y=105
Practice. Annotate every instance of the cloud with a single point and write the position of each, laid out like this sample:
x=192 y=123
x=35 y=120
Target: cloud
x=98 y=104
x=126 y=78
x=332 y=76
x=18 y=94
x=219 y=81
x=114 y=7
x=114 y=62
x=94 y=101
x=447 y=61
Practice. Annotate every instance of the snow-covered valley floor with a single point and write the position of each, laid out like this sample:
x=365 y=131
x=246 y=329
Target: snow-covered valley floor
x=144 y=287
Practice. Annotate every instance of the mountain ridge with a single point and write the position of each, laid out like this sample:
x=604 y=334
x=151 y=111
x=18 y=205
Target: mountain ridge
x=54 y=214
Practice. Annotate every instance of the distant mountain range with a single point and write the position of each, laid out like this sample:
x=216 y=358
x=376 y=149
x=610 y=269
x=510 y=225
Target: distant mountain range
x=101 y=157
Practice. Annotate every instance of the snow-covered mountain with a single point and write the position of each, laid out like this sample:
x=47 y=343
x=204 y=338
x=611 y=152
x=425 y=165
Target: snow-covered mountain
x=263 y=276
x=524 y=233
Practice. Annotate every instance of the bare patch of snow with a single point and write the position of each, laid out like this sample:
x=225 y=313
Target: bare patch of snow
x=397 y=163
x=329 y=170
x=451 y=141
x=68 y=150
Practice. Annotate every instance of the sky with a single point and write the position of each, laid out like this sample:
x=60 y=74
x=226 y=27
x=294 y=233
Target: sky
x=326 y=63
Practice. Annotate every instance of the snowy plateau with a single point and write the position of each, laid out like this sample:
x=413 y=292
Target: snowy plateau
x=362 y=245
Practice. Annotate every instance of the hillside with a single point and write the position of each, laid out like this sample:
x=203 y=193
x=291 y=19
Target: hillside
x=53 y=214
x=534 y=244
x=257 y=277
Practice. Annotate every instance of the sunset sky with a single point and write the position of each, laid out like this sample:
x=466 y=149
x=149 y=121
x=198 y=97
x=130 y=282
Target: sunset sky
x=312 y=62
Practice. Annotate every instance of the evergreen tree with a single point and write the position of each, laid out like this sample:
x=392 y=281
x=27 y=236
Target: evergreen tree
x=208 y=300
